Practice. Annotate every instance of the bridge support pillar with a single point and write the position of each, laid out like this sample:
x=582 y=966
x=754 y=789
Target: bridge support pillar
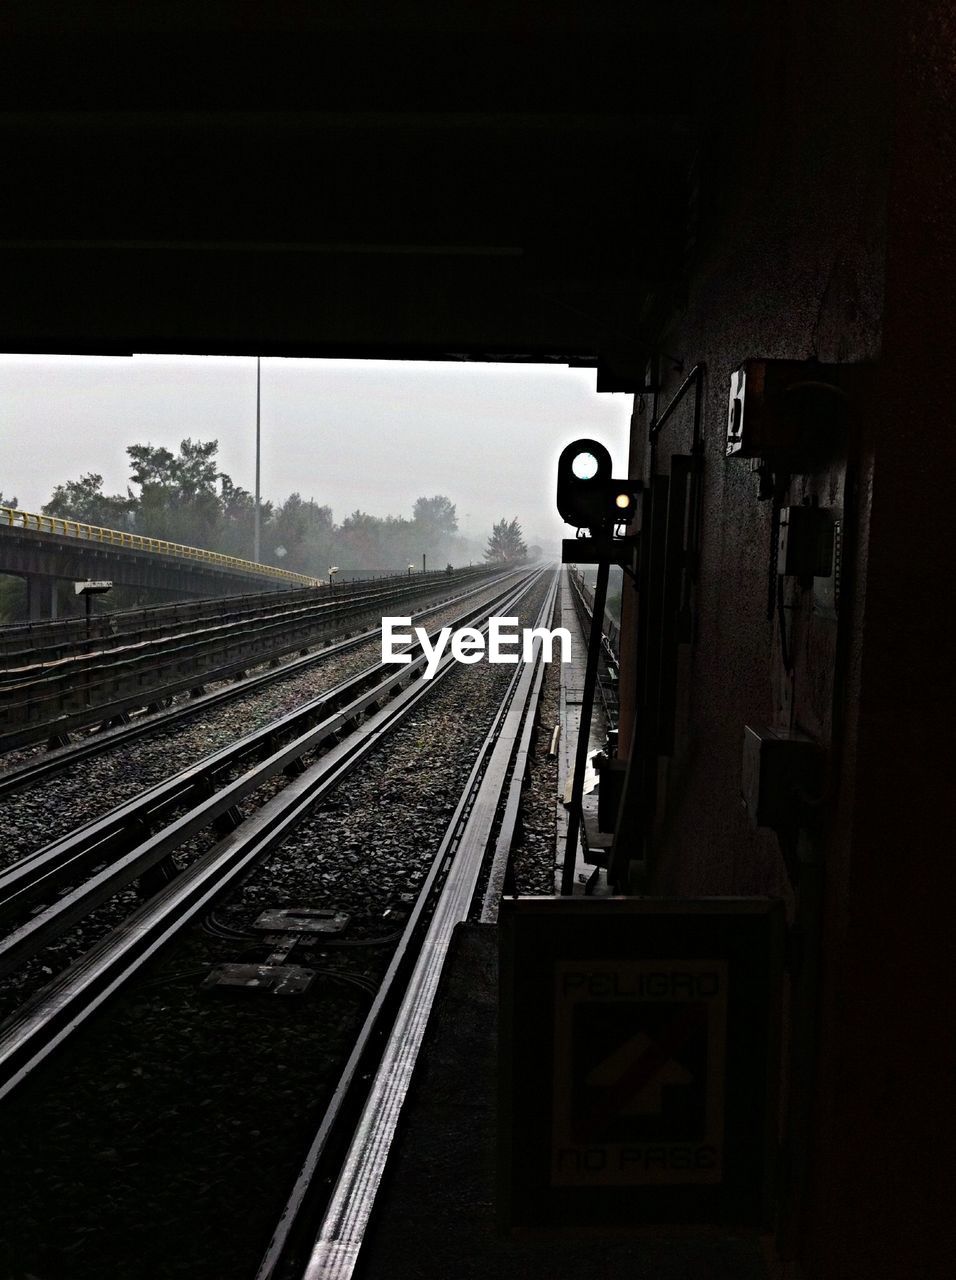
x=41 y=598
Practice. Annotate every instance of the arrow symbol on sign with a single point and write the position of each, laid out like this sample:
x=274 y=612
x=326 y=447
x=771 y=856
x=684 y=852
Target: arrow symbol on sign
x=647 y=1099
x=635 y=1070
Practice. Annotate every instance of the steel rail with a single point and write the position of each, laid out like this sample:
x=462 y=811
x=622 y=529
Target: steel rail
x=38 y=875
x=456 y=866
x=43 y=1023
x=31 y=644
x=33 y=771
x=47 y=868
x=73 y=699
x=87 y=657
x=117 y=625
x=501 y=868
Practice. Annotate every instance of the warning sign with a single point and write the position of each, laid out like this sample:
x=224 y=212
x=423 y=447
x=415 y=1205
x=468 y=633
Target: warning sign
x=639 y=1067
x=638 y=1057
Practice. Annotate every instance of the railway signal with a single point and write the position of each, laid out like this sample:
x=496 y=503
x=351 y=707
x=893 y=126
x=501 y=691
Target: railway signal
x=590 y=498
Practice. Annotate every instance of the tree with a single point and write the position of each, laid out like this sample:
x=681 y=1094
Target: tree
x=238 y=519
x=13 y=597
x=359 y=541
x=151 y=467
x=304 y=529
x=84 y=500
x=190 y=473
x=178 y=498
x=194 y=470
x=401 y=543
x=506 y=545
x=432 y=531
x=435 y=517
x=7 y=502
x=183 y=497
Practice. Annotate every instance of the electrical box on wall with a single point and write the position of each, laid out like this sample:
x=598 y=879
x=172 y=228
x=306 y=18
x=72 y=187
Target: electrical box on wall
x=781 y=772
x=787 y=412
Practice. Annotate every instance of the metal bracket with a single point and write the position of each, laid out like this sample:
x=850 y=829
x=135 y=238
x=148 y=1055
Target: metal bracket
x=601 y=550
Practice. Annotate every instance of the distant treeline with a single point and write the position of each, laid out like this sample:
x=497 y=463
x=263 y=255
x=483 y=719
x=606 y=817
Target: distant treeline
x=185 y=498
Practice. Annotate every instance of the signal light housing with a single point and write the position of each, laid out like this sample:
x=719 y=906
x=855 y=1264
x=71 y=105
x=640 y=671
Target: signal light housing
x=588 y=496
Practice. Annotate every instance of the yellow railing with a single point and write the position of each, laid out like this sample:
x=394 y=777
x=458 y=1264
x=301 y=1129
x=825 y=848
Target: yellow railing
x=17 y=519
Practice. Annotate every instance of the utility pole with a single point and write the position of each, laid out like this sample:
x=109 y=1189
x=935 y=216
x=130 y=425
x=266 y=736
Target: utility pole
x=255 y=545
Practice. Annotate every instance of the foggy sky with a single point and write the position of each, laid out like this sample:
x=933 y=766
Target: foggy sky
x=365 y=434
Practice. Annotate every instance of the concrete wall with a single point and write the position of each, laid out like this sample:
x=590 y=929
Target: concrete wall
x=827 y=232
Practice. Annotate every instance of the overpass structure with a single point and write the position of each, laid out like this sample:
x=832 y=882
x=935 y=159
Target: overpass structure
x=47 y=549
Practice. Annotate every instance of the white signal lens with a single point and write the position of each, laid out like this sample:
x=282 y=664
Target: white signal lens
x=585 y=466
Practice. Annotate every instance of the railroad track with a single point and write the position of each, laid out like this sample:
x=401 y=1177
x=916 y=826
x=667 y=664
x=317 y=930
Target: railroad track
x=476 y=844
x=447 y=890
x=103 y=680
x=117 y=849
x=40 y=767
x=32 y=647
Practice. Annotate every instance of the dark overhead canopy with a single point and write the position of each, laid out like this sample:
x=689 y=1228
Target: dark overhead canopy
x=510 y=181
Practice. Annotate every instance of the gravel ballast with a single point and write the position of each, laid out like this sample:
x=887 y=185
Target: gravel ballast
x=39 y=814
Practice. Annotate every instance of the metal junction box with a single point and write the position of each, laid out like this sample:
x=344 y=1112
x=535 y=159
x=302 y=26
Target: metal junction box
x=783 y=410
x=781 y=770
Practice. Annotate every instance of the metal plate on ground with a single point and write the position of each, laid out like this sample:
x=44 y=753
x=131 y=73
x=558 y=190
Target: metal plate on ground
x=302 y=920
x=638 y=1058
x=272 y=979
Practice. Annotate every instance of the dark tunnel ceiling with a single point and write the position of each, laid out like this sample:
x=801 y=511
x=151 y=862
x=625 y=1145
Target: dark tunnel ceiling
x=330 y=180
